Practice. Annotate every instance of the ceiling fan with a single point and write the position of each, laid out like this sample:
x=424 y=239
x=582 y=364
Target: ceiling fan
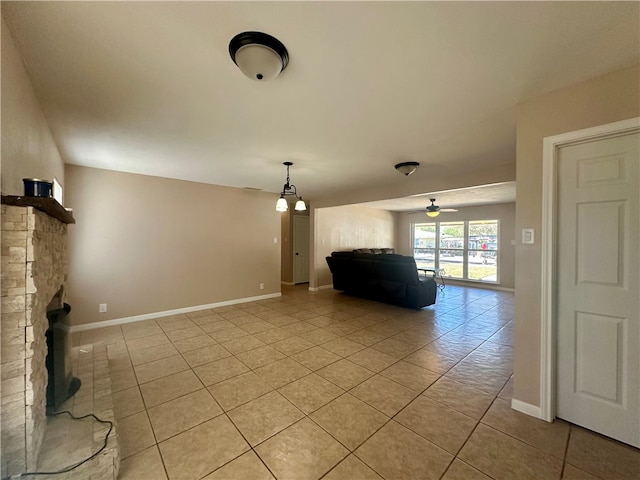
x=434 y=210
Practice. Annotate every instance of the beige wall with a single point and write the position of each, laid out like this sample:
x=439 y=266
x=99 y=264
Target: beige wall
x=146 y=244
x=430 y=180
x=28 y=148
x=606 y=99
x=505 y=212
x=346 y=228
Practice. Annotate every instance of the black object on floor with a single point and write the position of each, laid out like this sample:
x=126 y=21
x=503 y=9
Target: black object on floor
x=62 y=384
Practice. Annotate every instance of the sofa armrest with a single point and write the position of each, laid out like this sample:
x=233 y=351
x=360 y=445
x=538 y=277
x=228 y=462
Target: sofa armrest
x=422 y=294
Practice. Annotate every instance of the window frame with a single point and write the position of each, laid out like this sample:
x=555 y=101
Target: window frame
x=465 y=250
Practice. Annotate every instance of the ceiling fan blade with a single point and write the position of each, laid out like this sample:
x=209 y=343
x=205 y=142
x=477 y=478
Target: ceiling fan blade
x=441 y=210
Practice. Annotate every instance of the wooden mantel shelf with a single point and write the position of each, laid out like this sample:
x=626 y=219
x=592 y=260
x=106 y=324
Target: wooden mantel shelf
x=50 y=206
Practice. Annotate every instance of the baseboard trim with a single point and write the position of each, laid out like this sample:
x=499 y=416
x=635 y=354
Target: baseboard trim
x=289 y=284
x=526 y=408
x=485 y=286
x=321 y=287
x=505 y=289
x=168 y=313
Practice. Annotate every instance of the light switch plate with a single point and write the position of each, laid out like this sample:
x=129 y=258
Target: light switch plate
x=528 y=236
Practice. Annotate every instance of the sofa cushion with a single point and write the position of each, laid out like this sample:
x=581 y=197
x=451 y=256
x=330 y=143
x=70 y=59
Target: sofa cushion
x=364 y=255
x=348 y=254
x=376 y=251
x=397 y=268
x=393 y=257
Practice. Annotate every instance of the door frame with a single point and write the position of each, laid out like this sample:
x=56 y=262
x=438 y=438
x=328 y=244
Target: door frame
x=551 y=146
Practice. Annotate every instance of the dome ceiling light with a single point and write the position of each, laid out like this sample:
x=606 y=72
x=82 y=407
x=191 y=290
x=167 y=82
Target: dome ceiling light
x=258 y=55
x=407 y=168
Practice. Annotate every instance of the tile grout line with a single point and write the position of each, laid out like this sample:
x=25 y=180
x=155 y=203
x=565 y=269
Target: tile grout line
x=374 y=373
x=566 y=451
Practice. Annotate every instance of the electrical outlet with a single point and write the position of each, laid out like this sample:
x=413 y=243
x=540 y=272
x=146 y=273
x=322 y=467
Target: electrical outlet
x=262 y=286
x=102 y=308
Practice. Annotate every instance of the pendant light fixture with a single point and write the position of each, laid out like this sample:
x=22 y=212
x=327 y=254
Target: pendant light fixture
x=258 y=55
x=289 y=189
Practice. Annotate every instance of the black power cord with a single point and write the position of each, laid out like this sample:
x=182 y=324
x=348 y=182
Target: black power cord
x=75 y=465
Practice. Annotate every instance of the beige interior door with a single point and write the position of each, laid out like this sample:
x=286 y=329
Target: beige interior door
x=597 y=317
x=300 y=249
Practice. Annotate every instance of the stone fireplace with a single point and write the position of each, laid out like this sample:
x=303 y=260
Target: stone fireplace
x=34 y=264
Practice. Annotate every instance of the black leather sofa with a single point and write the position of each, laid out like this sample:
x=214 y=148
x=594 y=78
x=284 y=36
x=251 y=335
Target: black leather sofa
x=385 y=277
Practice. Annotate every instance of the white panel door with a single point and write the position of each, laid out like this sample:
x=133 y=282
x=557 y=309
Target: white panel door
x=598 y=265
x=300 y=249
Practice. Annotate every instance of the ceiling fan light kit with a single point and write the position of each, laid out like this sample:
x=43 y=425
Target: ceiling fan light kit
x=433 y=210
x=289 y=189
x=407 y=168
x=258 y=55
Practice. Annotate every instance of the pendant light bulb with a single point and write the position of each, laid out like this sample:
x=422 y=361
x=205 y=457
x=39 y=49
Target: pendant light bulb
x=282 y=205
x=300 y=206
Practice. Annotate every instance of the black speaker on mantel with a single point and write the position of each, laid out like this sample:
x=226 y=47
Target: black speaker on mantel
x=62 y=384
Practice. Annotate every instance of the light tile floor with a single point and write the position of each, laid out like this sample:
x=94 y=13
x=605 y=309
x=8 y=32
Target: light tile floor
x=322 y=385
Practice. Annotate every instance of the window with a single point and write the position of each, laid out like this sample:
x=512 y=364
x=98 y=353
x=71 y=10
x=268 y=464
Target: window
x=466 y=250
x=425 y=245
x=451 y=251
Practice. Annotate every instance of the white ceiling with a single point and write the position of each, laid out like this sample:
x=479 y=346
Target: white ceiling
x=504 y=192
x=148 y=87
